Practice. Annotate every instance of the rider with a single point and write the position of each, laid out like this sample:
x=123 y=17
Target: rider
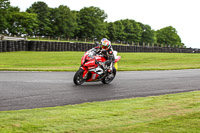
x=105 y=49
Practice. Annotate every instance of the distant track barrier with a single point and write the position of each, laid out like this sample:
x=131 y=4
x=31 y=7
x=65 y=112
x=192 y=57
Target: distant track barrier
x=24 y=45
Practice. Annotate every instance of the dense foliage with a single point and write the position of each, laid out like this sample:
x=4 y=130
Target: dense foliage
x=168 y=35
x=88 y=23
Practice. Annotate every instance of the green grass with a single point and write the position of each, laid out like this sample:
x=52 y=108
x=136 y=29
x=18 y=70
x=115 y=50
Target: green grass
x=159 y=61
x=157 y=114
x=70 y=61
x=167 y=113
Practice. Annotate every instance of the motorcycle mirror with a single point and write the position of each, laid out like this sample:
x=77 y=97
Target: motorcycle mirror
x=97 y=43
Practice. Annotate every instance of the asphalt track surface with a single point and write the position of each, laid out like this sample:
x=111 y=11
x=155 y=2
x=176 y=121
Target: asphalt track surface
x=27 y=90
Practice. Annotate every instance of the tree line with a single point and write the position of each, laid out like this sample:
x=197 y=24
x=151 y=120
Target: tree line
x=88 y=23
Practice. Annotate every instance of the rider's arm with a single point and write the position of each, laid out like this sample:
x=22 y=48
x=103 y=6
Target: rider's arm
x=94 y=51
x=110 y=58
x=97 y=49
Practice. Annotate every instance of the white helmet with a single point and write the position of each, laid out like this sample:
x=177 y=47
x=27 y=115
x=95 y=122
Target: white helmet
x=105 y=44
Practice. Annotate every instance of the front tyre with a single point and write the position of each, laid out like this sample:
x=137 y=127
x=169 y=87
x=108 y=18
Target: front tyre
x=110 y=77
x=78 y=77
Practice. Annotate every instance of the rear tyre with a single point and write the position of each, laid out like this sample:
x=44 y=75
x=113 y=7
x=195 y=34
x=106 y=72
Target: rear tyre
x=78 y=77
x=110 y=77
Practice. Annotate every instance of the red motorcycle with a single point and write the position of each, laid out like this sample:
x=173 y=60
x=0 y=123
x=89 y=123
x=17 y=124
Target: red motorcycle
x=93 y=69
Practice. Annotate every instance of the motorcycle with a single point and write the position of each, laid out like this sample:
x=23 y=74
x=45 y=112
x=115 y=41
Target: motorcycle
x=93 y=69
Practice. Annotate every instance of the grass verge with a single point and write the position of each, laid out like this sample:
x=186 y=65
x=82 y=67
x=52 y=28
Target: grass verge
x=70 y=61
x=167 y=113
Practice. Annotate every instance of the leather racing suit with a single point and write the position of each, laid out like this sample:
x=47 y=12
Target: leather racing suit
x=107 y=54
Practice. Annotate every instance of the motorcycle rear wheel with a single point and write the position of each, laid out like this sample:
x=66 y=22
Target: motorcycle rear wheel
x=107 y=80
x=78 y=77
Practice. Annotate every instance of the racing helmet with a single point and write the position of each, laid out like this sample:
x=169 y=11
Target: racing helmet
x=102 y=40
x=105 y=44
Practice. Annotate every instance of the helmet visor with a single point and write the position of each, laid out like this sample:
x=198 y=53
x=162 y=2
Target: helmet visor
x=104 y=47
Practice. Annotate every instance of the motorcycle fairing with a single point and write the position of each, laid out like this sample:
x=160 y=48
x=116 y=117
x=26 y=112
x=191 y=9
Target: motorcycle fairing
x=117 y=59
x=93 y=76
x=99 y=58
x=84 y=72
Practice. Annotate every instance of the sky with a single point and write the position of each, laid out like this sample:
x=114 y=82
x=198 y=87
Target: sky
x=183 y=15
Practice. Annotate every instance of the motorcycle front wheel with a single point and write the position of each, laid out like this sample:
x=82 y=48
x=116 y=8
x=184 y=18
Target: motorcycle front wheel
x=110 y=77
x=78 y=77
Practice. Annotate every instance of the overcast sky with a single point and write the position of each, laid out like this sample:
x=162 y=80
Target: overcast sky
x=181 y=14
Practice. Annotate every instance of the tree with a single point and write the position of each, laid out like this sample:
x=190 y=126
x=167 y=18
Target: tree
x=148 y=35
x=43 y=14
x=4 y=12
x=118 y=30
x=91 y=23
x=112 y=31
x=132 y=30
x=63 y=21
x=4 y=4
x=168 y=35
x=22 y=23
